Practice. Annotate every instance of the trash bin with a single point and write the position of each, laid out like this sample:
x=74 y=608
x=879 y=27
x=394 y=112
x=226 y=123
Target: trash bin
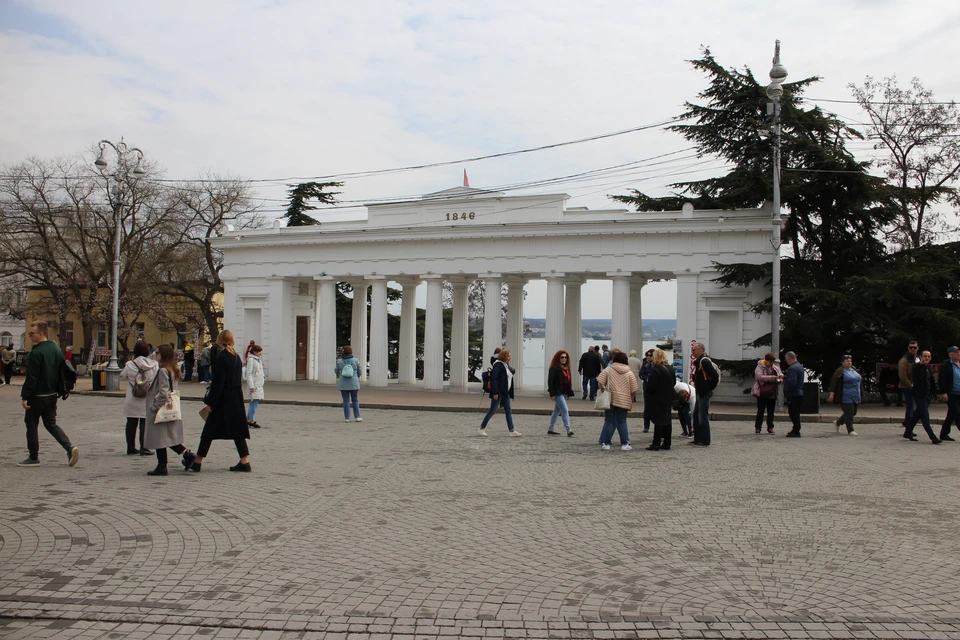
x=811 y=398
x=99 y=380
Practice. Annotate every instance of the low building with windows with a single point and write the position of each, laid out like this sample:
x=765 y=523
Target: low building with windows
x=176 y=321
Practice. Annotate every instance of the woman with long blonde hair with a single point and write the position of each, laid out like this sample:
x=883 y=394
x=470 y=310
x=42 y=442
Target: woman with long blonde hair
x=227 y=419
x=165 y=435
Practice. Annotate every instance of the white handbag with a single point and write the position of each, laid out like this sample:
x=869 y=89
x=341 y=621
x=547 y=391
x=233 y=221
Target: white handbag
x=603 y=400
x=170 y=412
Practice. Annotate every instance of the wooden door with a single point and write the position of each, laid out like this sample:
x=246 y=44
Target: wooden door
x=303 y=346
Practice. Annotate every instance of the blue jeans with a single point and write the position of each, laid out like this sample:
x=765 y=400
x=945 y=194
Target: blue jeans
x=683 y=415
x=921 y=413
x=911 y=406
x=615 y=419
x=502 y=401
x=350 y=397
x=702 y=428
x=591 y=384
x=252 y=409
x=560 y=408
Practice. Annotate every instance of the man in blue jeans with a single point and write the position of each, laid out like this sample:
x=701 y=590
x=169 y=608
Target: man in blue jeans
x=705 y=379
x=949 y=385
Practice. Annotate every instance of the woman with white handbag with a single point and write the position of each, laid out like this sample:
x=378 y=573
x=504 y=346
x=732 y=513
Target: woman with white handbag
x=164 y=427
x=617 y=380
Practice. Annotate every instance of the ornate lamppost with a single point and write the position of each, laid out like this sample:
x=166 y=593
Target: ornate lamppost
x=778 y=73
x=121 y=176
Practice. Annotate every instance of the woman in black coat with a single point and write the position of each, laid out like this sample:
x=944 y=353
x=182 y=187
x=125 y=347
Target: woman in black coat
x=659 y=391
x=227 y=419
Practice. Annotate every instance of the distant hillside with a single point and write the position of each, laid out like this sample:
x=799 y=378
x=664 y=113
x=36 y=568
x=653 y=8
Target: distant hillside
x=653 y=329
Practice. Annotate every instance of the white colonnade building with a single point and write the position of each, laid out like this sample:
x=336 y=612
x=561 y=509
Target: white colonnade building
x=280 y=283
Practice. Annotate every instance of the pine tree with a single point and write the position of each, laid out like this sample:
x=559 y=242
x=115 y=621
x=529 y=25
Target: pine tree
x=300 y=194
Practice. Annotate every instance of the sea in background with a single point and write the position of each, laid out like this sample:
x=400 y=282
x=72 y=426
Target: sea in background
x=533 y=357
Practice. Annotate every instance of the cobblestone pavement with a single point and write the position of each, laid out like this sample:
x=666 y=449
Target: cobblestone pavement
x=408 y=525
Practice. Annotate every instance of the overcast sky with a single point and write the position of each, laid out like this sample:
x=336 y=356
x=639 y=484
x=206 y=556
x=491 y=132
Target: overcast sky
x=273 y=90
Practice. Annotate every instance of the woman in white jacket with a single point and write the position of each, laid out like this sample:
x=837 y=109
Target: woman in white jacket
x=254 y=383
x=134 y=407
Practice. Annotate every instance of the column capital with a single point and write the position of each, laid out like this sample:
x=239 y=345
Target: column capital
x=619 y=274
x=374 y=276
x=276 y=278
x=553 y=275
x=356 y=281
x=433 y=276
x=574 y=281
x=516 y=280
x=490 y=276
x=686 y=275
x=461 y=280
x=325 y=278
x=639 y=281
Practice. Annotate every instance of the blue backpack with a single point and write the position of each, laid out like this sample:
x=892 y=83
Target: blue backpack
x=347 y=371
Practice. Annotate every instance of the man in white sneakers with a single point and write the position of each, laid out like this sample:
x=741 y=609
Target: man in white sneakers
x=39 y=395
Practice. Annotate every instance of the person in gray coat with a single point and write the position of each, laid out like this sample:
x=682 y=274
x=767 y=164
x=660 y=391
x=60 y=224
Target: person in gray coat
x=164 y=435
x=135 y=408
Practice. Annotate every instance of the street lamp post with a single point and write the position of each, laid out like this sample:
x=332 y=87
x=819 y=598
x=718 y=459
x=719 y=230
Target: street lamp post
x=778 y=73
x=121 y=174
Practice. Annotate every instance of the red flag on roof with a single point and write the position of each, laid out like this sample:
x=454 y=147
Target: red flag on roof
x=466 y=180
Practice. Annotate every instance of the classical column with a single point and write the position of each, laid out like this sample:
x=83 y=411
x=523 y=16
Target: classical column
x=279 y=348
x=515 y=327
x=636 y=316
x=408 y=332
x=378 y=332
x=459 y=333
x=326 y=323
x=492 y=324
x=620 y=325
x=433 y=335
x=553 y=340
x=686 y=317
x=358 y=332
x=573 y=326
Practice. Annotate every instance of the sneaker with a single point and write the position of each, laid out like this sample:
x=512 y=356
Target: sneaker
x=770 y=431
x=482 y=432
x=515 y=434
x=853 y=433
x=569 y=434
x=347 y=420
x=626 y=447
x=700 y=444
x=793 y=434
x=605 y=447
x=358 y=419
x=646 y=430
x=836 y=423
x=688 y=435
x=550 y=432
x=758 y=431
x=946 y=438
x=189 y=457
x=29 y=462
x=73 y=455
x=584 y=397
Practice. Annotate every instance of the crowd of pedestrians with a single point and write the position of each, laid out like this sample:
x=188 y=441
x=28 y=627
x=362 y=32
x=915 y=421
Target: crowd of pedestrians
x=610 y=378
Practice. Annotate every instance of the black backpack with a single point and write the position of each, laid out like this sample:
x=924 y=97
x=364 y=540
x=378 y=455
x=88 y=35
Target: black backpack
x=67 y=379
x=486 y=381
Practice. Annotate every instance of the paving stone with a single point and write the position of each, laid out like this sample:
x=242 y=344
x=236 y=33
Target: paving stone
x=408 y=525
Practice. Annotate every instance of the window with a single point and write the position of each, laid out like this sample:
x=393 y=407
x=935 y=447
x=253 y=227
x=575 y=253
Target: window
x=6 y=339
x=181 y=334
x=102 y=341
x=138 y=329
x=66 y=334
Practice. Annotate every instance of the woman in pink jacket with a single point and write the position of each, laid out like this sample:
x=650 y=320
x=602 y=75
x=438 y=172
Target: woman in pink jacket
x=766 y=379
x=619 y=380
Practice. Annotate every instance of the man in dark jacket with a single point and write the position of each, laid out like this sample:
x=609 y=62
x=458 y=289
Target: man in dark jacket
x=705 y=378
x=590 y=367
x=39 y=395
x=793 y=391
x=948 y=381
x=905 y=370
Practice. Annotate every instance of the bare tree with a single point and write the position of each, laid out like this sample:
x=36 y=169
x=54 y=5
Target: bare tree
x=206 y=208
x=922 y=162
